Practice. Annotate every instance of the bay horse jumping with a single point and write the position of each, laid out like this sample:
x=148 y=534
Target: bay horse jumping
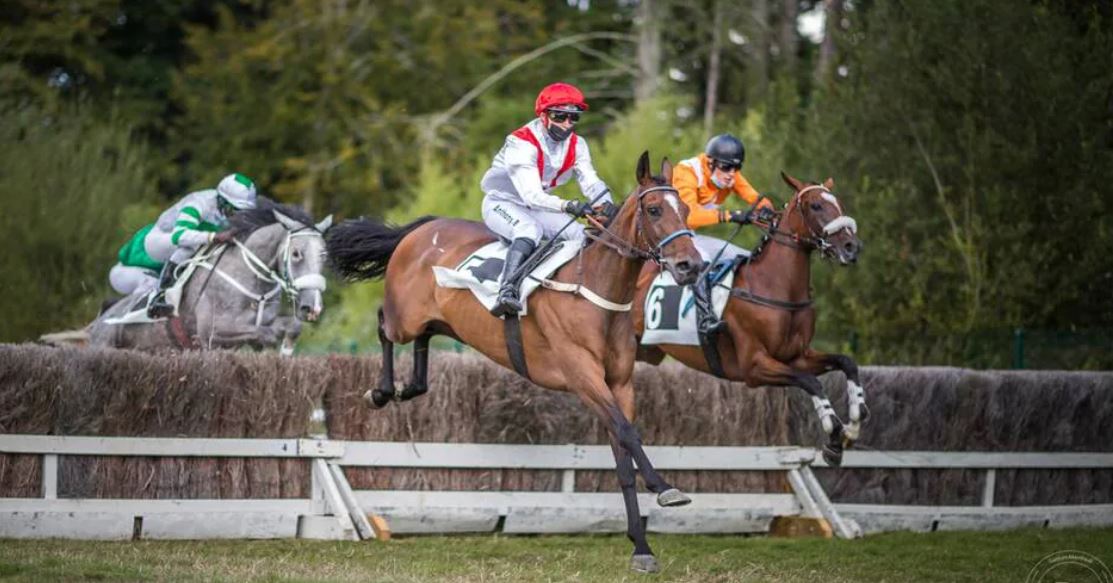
x=577 y=342
x=769 y=317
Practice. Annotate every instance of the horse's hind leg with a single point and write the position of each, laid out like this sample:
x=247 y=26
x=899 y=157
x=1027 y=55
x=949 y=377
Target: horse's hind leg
x=419 y=384
x=769 y=371
x=380 y=396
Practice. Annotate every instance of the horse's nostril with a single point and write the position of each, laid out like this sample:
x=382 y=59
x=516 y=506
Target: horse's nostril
x=684 y=267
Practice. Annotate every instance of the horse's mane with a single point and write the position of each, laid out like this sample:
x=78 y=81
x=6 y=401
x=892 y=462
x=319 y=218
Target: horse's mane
x=248 y=221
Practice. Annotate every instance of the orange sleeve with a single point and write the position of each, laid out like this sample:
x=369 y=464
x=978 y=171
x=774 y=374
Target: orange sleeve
x=684 y=181
x=747 y=192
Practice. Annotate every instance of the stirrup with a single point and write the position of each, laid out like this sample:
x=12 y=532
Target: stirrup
x=711 y=328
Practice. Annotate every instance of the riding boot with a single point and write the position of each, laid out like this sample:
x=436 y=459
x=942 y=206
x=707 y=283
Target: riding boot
x=706 y=321
x=159 y=307
x=508 y=302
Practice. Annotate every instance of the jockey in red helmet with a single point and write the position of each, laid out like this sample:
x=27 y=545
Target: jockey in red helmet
x=535 y=159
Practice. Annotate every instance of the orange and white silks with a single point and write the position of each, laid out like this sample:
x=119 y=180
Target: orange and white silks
x=692 y=180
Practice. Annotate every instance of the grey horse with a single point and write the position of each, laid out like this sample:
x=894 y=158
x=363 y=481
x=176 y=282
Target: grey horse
x=236 y=290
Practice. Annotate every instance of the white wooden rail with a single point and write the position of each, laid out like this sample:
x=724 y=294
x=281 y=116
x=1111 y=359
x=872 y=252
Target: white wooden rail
x=329 y=513
x=335 y=511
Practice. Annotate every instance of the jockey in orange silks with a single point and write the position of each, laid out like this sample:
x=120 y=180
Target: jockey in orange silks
x=704 y=183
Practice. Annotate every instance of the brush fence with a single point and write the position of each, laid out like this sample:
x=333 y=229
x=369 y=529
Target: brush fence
x=334 y=511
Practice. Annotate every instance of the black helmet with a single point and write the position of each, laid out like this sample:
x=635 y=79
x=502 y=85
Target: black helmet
x=727 y=149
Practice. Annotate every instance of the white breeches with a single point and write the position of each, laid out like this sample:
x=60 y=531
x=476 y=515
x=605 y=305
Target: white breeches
x=709 y=246
x=515 y=221
x=126 y=279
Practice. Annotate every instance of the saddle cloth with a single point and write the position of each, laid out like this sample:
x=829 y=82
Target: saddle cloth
x=670 y=309
x=481 y=271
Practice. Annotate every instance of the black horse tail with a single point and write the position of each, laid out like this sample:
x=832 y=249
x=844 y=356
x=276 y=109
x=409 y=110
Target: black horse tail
x=361 y=248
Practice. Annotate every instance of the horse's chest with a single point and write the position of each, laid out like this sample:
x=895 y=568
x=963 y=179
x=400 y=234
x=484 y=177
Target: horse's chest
x=789 y=336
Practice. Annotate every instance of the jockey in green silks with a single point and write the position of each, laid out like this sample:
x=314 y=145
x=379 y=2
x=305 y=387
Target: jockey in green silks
x=150 y=257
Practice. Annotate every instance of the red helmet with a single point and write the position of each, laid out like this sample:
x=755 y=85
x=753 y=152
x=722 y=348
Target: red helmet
x=559 y=94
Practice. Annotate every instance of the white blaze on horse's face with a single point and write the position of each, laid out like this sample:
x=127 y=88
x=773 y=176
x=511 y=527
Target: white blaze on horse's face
x=838 y=232
x=302 y=263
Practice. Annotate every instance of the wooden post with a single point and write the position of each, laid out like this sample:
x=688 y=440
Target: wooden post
x=990 y=487
x=50 y=476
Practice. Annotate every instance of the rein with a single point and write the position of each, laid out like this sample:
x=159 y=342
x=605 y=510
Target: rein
x=806 y=243
x=623 y=248
x=632 y=251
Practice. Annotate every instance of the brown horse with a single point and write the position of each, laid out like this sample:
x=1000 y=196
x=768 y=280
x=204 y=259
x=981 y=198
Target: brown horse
x=769 y=317
x=575 y=342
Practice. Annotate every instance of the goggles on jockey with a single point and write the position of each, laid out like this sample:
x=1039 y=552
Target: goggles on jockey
x=725 y=166
x=226 y=208
x=561 y=116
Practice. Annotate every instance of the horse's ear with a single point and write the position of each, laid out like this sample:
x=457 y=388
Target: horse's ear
x=645 y=177
x=666 y=170
x=796 y=185
x=829 y=184
x=290 y=224
x=324 y=224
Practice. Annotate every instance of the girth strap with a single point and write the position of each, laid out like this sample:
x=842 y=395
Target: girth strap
x=709 y=343
x=512 y=329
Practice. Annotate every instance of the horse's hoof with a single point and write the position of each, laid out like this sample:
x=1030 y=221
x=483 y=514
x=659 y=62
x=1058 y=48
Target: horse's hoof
x=644 y=564
x=671 y=497
x=376 y=399
x=851 y=433
x=410 y=391
x=832 y=454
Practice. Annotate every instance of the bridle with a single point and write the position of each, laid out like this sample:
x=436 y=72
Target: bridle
x=814 y=240
x=263 y=272
x=635 y=250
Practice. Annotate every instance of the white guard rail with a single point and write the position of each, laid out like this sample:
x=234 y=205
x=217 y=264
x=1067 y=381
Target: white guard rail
x=335 y=511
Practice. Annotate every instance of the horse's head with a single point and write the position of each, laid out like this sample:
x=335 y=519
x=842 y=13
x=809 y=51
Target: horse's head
x=301 y=263
x=657 y=219
x=821 y=223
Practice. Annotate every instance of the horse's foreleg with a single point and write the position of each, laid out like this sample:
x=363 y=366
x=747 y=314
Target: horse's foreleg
x=630 y=439
x=767 y=370
x=599 y=398
x=380 y=396
x=419 y=383
x=817 y=362
x=231 y=336
x=643 y=560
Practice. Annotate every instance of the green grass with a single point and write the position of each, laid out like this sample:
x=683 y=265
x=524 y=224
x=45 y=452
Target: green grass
x=954 y=556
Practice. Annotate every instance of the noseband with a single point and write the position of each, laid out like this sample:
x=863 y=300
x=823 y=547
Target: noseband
x=633 y=251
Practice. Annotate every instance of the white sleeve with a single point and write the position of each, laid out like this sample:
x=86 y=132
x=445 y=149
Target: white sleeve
x=590 y=183
x=521 y=166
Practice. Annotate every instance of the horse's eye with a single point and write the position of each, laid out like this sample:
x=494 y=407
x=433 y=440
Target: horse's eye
x=296 y=255
x=816 y=206
x=654 y=211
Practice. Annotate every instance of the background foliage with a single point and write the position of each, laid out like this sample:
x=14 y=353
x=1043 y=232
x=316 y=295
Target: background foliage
x=972 y=140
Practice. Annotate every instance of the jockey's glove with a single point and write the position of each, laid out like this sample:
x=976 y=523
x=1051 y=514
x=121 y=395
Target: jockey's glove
x=741 y=217
x=607 y=209
x=765 y=214
x=577 y=208
x=222 y=237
